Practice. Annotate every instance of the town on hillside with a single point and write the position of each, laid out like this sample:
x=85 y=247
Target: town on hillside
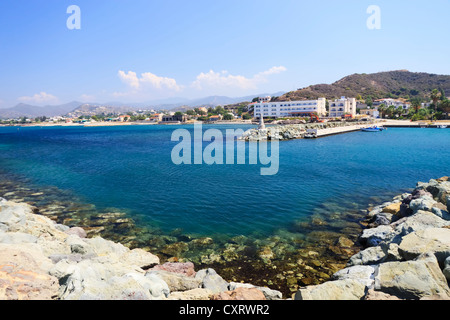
x=272 y=110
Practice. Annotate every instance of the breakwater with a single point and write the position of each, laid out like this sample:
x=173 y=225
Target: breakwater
x=301 y=131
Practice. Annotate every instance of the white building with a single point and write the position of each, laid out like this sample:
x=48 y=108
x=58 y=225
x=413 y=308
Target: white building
x=343 y=106
x=392 y=102
x=281 y=109
x=372 y=113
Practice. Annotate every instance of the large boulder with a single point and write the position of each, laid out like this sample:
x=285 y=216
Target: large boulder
x=432 y=240
x=211 y=280
x=412 y=279
x=184 y=268
x=393 y=208
x=363 y=274
x=176 y=281
x=194 y=294
x=424 y=203
x=369 y=256
x=446 y=270
x=348 y=289
x=270 y=294
x=374 y=236
x=140 y=258
x=111 y=252
x=93 y=280
x=17 y=238
x=13 y=214
x=439 y=189
x=23 y=274
x=421 y=220
x=240 y=294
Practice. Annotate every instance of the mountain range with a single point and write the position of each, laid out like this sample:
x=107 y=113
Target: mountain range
x=391 y=84
x=26 y=110
x=76 y=108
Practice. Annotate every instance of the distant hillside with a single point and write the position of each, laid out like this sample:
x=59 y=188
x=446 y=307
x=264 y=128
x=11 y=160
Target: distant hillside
x=213 y=101
x=92 y=110
x=395 y=84
x=26 y=110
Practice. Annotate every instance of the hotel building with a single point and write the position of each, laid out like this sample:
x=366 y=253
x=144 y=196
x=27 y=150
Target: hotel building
x=281 y=109
x=343 y=106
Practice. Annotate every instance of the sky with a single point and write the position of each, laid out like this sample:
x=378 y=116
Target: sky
x=147 y=50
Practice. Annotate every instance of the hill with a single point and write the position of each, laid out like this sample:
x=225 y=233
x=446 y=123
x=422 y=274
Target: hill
x=26 y=110
x=91 y=110
x=391 y=84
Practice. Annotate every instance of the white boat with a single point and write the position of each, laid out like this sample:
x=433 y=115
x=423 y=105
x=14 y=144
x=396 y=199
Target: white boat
x=442 y=126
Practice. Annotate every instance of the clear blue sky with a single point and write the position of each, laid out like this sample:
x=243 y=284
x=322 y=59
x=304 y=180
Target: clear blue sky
x=142 y=50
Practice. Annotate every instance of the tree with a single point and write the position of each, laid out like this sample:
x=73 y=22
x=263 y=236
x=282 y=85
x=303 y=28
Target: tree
x=443 y=96
x=227 y=116
x=178 y=114
x=435 y=96
x=415 y=103
x=444 y=107
x=382 y=109
x=390 y=111
x=369 y=101
x=219 y=110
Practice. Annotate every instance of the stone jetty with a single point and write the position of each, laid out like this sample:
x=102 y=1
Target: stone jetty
x=301 y=131
x=406 y=255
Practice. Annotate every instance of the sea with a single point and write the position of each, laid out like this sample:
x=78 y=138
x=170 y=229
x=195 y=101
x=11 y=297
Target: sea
x=232 y=210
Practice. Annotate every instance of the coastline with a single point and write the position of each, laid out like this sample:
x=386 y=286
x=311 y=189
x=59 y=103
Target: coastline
x=65 y=264
x=118 y=124
x=386 y=123
x=62 y=263
x=283 y=260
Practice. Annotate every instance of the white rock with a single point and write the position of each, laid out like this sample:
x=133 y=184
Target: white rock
x=363 y=274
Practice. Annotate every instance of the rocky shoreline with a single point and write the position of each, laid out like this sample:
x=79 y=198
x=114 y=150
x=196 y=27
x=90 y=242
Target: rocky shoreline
x=307 y=251
x=405 y=256
x=43 y=260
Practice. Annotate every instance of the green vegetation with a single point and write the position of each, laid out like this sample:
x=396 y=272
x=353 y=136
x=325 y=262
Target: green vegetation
x=392 y=84
x=228 y=116
x=439 y=109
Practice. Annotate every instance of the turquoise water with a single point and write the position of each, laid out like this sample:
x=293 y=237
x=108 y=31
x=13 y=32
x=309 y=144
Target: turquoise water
x=130 y=168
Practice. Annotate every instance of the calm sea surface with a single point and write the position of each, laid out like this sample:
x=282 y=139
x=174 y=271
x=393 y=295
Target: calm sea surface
x=130 y=168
